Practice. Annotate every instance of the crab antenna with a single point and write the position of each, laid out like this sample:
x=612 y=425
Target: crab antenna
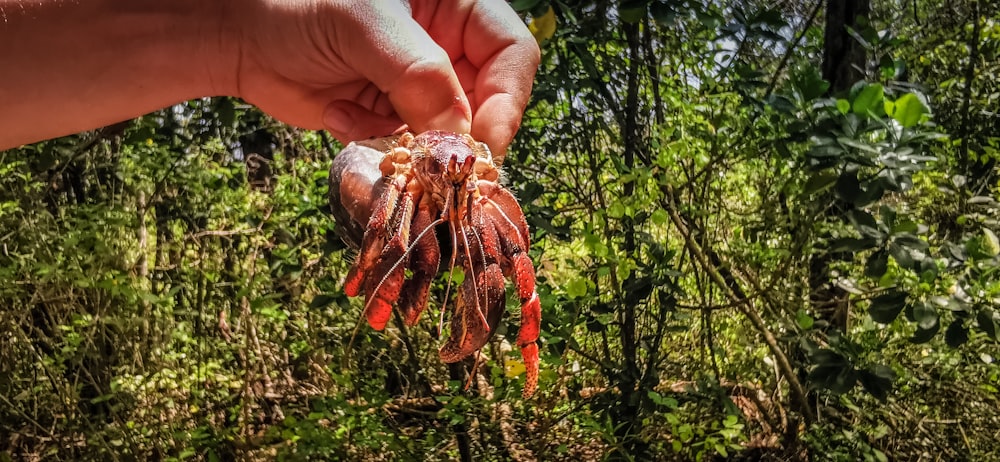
x=475 y=288
x=475 y=369
x=350 y=343
x=482 y=255
x=468 y=257
x=451 y=264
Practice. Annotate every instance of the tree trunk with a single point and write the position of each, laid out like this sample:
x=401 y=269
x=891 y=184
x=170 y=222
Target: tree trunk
x=843 y=66
x=843 y=56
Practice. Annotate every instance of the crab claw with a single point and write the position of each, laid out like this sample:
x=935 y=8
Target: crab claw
x=477 y=313
x=375 y=237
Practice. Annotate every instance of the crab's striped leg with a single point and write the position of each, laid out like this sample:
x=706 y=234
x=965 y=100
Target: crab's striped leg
x=425 y=259
x=376 y=236
x=502 y=209
x=385 y=281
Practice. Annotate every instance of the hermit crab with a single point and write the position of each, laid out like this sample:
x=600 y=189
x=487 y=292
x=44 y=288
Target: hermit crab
x=428 y=181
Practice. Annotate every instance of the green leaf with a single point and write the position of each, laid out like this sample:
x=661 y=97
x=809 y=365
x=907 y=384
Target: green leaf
x=524 y=5
x=819 y=182
x=886 y=307
x=990 y=243
x=908 y=110
x=903 y=255
x=843 y=106
x=925 y=315
x=663 y=13
x=911 y=241
x=577 y=288
x=848 y=187
x=877 y=381
x=322 y=300
x=633 y=10
x=865 y=223
x=925 y=335
x=877 y=264
x=906 y=226
x=851 y=244
x=810 y=83
x=457 y=275
x=658 y=217
x=616 y=210
x=804 y=320
x=869 y=100
x=861 y=146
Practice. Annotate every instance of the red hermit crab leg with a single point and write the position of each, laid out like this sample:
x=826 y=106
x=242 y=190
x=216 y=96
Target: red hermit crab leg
x=445 y=215
x=425 y=260
x=457 y=217
x=469 y=329
x=472 y=328
x=382 y=293
x=512 y=229
x=470 y=268
x=375 y=237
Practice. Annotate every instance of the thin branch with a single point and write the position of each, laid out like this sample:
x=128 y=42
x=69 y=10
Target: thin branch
x=797 y=390
x=791 y=48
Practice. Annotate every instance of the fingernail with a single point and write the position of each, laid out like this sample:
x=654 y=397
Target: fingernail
x=338 y=120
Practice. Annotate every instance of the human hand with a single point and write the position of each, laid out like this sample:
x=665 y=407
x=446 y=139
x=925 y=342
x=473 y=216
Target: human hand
x=363 y=68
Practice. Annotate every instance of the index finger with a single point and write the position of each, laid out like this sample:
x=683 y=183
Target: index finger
x=499 y=44
x=396 y=54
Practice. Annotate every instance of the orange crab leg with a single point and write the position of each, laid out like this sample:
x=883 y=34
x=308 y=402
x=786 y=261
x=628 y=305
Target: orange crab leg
x=381 y=293
x=425 y=259
x=512 y=229
x=375 y=237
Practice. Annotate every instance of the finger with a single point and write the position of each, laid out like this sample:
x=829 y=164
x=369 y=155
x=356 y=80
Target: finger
x=348 y=121
x=391 y=49
x=497 y=117
x=507 y=64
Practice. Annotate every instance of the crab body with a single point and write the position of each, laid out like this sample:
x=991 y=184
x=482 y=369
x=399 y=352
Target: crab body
x=446 y=179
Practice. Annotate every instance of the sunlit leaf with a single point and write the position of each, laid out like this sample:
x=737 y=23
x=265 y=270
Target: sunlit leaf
x=577 y=288
x=990 y=243
x=513 y=368
x=543 y=27
x=868 y=100
x=908 y=110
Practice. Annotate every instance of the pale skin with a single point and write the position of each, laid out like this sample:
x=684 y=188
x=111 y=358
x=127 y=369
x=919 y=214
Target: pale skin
x=357 y=68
